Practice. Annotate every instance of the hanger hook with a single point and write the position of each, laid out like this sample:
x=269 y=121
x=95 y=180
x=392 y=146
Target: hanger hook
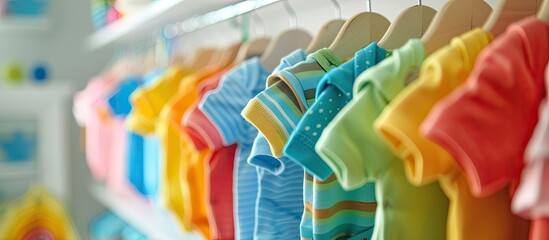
x=369 y=5
x=260 y=22
x=419 y=3
x=290 y=12
x=337 y=8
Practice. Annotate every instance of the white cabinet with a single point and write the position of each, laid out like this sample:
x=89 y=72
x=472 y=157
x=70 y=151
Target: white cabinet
x=44 y=109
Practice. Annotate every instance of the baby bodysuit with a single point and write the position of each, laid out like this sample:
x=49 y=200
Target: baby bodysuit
x=289 y=89
x=331 y=210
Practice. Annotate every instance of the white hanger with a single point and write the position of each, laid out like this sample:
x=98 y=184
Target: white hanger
x=328 y=32
x=411 y=23
x=359 y=31
x=285 y=42
x=455 y=18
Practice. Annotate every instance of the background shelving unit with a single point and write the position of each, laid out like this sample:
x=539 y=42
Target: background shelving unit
x=24 y=25
x=141 y=214
x=17 y=170
x=45 y=106
x=158 y=13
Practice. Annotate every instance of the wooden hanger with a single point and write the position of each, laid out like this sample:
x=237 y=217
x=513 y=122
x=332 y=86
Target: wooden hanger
x=328 y=32
x=224 y=57
x=200 y=57
x=177 y=59
x=455 y=18
x=507 y=12
x=191 y=56
x=543 y=13
x=252 y=48
x=149 y=62
x=285 y=43
x=282 y=45
x=359 y=31
x=326 y=35
x=411 y=23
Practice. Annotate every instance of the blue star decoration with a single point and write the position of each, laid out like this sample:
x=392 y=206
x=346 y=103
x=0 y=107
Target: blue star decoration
x=18 y=147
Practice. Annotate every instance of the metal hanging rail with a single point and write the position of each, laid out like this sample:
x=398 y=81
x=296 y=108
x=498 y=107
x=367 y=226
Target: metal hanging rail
x=214 y=17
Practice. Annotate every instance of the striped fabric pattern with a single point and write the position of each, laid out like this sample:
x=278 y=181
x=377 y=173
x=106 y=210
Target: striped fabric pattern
x=279 y=205
x=237 y=87
x=245 y=190
x=261 y=153
x=276 y=111
x=330 y=211
x=333 y=213
x=223 y=106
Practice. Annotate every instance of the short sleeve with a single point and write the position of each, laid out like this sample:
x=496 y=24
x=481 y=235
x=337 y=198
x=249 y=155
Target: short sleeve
x=301 y=144
x=261 y=156
x=223 y=105
x=119 y=100
x=199 y=127
x=201 y=130
x=399 y=122
x=349 y=144
x=275 y=113
x=83 y=100
x=496 y=111
x=148 y=102
x=141 y=119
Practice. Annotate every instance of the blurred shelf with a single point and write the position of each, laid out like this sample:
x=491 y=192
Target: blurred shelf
x=17 y=169
x=140 y=214
x=14 y=24
x=32 y=89
x=157 y=14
